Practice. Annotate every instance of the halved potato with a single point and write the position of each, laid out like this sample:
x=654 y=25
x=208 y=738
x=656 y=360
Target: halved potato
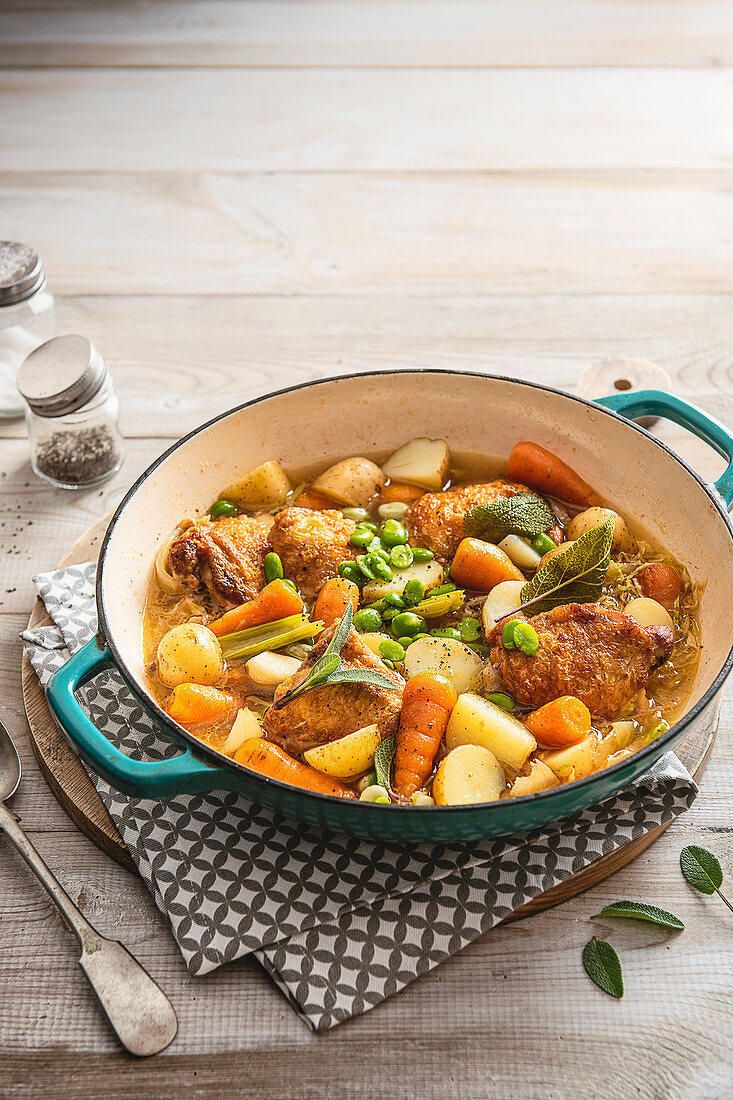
x=349 y=756
x=424 y=462
x=648 y=612
x=452 y=658
x=623 y=540
x=476 y=721
x=352 y=482
x=503 y=598
x=540 y=778
x=574 y=762
x=468 y=774
x=428 y=572
x=262 y=487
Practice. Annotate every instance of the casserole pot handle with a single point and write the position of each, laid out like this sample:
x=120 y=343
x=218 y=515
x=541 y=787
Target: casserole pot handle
x=183 y=774
x=705 y=427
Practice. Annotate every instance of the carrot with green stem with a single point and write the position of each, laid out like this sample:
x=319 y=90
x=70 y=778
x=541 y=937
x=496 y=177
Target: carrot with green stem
x=270 y=760
x=277 y=600
x=427 y=702
x=543 y=471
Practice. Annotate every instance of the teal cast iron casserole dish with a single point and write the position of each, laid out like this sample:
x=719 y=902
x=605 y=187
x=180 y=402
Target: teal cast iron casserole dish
x=375 y=413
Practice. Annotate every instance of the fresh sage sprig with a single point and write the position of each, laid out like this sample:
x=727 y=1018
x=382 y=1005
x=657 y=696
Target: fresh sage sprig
x=329 y=668
x=523 y=514
x=639 y=910
x=574 y=575
x=383 y=758
x=603 y=966
x=703 y=871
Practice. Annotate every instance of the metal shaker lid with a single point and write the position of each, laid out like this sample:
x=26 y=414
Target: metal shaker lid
x=61 y=375
x=21 y=272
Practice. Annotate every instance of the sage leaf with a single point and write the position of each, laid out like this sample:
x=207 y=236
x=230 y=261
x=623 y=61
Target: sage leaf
x=603 y=967
x=341 y=632
x=329 y=668
x=575 y=575
x=383 y=758
x=701 y=869
x=639 y=910
x=361 y=676
x=522 y=514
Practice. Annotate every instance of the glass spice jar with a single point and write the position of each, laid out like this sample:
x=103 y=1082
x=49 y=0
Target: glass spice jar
x=72 y=413
x=26 y=317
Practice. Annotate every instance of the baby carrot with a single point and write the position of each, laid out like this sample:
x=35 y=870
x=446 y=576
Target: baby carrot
x=277 y=600
x=427 y=701
x=192 y=703
x=333 y=599
x=268 y=759
x=481 y=565
x=398 y=492
x=545 y=472
x=564 y=721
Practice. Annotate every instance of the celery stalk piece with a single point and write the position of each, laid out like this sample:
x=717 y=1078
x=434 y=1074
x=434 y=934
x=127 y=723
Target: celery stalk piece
x=278 y=625
x=252 y=646
x=434 y=607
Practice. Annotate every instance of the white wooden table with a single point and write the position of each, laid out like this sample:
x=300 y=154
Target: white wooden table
x=230 y=197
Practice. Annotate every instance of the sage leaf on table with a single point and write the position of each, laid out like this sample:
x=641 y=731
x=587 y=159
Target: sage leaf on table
x=383 y=758
x=575 y=575
x=602 y=965
x=703 y=871
x=639 y=910
x=329 y=668
x=523 y=514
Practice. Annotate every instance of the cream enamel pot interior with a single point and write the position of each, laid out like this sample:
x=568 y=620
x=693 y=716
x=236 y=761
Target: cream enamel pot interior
x=375 y=413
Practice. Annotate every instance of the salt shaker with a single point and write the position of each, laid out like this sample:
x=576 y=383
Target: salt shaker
x=26 y=317
x=72 y=413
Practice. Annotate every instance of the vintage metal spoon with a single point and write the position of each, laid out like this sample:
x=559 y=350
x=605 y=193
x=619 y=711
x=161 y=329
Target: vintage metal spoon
x=138 y=1010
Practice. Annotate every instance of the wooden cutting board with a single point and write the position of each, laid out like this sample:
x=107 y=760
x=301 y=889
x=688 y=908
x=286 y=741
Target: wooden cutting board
x=71 y=785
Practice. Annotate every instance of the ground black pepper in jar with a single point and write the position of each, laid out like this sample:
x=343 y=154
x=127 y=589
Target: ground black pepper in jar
x=72 y=413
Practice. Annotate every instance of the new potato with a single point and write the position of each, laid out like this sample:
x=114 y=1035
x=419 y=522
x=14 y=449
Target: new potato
x=352 y=482
x=476 y=721
x=648 y=612
x=469 y=773
x=349 y=756
x=428 y=572
x=424 y=462
x=262 y=487
x=451 y=658
x=190 y=654
x=623 y=540
x=501 y=600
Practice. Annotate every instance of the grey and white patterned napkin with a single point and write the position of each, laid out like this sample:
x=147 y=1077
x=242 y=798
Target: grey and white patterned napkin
x=339 y=923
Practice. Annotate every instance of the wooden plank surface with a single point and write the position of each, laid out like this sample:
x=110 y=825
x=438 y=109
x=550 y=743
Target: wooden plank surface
x=180 y=361
x=365 y=33
x=523 y=187
x=341 y=119
x=341 y=233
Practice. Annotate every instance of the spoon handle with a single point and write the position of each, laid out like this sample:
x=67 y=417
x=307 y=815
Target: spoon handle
x=136 y=1007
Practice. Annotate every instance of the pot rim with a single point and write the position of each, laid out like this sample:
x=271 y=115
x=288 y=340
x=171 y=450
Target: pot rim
x=673 y=734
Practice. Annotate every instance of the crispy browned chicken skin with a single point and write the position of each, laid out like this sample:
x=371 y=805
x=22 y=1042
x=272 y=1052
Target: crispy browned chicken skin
x=311 y=545
x=603 y=657
x=226 y=556
x=334 y=710
x=436 y=519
